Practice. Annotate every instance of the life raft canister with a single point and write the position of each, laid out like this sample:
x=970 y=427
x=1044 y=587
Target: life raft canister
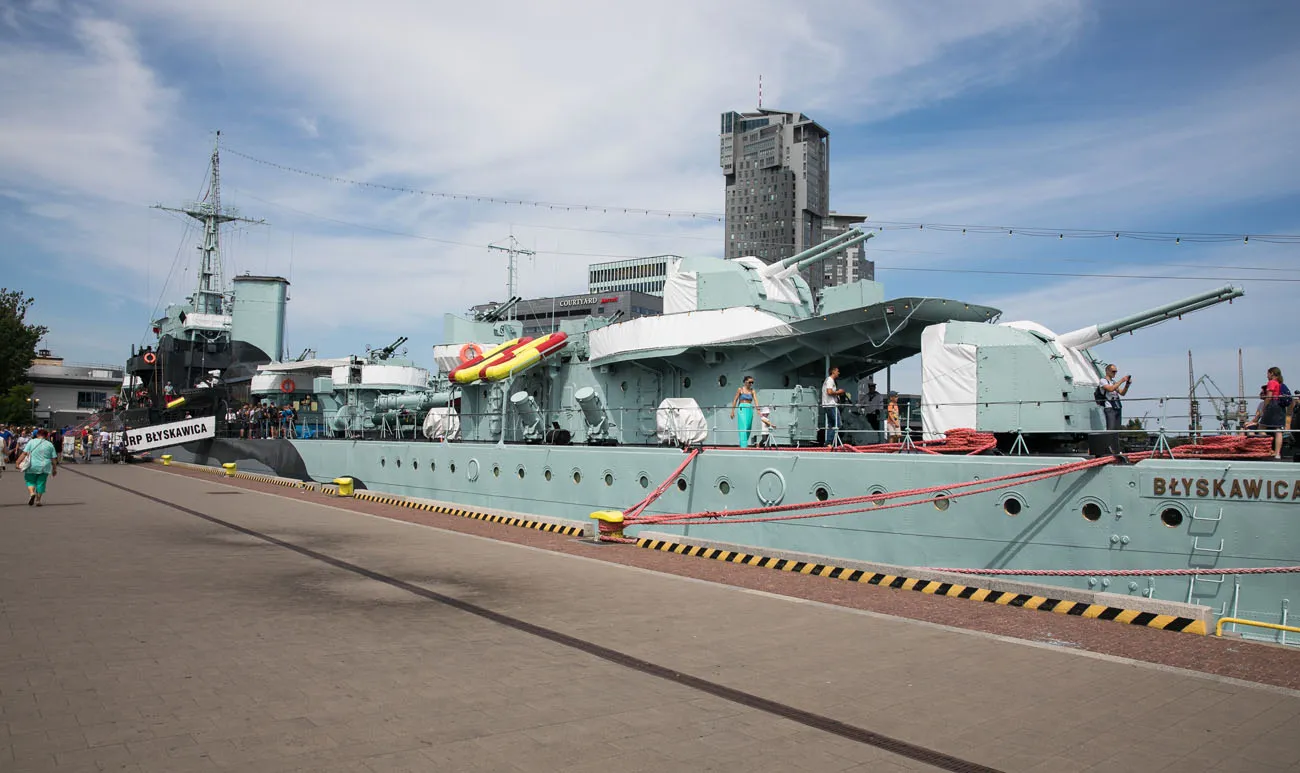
x=469 y=352
x=287 y=386
x=150 y=358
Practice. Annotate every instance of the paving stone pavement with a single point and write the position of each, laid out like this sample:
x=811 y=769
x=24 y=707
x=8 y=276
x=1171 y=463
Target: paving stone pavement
x=138 y=637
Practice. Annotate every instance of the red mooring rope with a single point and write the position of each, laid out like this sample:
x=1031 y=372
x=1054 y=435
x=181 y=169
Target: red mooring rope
x=967 y=441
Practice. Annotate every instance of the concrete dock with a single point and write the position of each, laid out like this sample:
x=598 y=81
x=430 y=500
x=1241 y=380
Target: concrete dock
x=156 y=622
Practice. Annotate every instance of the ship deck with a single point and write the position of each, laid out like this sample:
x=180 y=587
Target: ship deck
x=172 y=622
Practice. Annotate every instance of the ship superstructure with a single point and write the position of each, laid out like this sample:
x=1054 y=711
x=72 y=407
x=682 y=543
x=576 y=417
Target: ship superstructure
x=208 y=347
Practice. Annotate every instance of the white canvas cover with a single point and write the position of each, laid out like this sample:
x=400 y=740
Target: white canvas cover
x=442 y=424
x=681 y=289
x=679 y=420
x=777 y=287
x=1072 y=347
x=696 y=328
x=948 y=381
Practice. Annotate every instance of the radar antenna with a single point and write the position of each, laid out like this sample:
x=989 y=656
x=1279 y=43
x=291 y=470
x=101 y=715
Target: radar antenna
x=513 y=251
x=211 y=295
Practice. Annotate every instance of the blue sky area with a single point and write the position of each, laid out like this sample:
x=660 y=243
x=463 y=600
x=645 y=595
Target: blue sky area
x=1174 y=117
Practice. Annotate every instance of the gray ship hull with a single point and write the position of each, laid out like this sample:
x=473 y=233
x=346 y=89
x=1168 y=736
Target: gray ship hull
x=1157 y=515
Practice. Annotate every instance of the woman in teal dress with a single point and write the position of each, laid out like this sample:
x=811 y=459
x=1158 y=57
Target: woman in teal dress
x=42 y=461
x=745 y=402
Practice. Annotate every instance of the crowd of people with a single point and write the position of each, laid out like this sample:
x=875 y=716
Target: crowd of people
x=262 y=420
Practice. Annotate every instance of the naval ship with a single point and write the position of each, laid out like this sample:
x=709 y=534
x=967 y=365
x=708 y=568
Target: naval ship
x=630 y=419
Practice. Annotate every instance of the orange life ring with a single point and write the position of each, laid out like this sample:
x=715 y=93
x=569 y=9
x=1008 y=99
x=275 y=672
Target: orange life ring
x=469 y=352
x=287 y=386
x=150 y=358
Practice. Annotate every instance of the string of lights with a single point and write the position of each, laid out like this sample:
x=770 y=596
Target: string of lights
x=1176 y=237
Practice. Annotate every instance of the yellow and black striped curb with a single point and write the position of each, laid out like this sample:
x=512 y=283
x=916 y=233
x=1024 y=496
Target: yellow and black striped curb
x=255 y=476
x=552 y=528
x=935 y=587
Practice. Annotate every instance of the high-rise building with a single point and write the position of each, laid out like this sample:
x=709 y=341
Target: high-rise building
x=777 y=168
x=848 y=266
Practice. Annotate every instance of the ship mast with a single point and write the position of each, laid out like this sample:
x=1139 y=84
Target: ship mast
x=210 y=296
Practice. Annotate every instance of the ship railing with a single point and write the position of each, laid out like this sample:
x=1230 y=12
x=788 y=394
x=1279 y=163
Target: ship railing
x=1166 y=417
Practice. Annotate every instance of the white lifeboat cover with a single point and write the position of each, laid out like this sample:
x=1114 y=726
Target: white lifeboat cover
x=442 y=423
x=679 y=420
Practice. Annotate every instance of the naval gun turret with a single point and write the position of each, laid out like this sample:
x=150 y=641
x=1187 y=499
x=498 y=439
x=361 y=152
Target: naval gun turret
x=1021 y=378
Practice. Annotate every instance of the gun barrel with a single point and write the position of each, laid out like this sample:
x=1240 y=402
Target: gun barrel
x=1086 y=337
x=816 y=248
x=858 y=238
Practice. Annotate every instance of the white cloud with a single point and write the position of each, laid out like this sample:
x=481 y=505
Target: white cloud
x=81 y=120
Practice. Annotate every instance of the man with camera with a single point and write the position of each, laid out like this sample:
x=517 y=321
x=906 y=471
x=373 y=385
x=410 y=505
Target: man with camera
x=1113 y=390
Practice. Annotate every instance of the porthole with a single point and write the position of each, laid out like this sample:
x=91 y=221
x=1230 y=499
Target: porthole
x=1012 y=505
x=520 y=472
x=577 y=476
x=433 y=466
x=724 y=487
x=822 y=493
x=644 y=481
x=722 y=380
x=686 y=382
x=382 y=461
x=399 y=463
x=1091 y=511
x=874 y=490
x=1171 y=517
x=942 y=502
x=623 y=386
x=546 y=473
x=452 y=467
x=609 y=478
x=496 y=471
x=415 y=464
x=681 y=484
x=472 y=469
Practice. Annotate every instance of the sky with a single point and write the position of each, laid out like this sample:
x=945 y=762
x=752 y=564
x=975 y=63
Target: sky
x=1053 y=114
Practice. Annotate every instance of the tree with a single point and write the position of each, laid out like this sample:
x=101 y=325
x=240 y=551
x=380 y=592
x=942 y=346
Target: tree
x=16 y=406
x=17 y=339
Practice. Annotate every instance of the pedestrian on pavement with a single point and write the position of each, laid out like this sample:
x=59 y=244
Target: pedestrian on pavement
x=39 y=461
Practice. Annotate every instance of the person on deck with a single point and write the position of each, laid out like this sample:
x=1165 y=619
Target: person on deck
x=745 y=401
x=831 y=394
x=1113 y=390
x=1276 y=402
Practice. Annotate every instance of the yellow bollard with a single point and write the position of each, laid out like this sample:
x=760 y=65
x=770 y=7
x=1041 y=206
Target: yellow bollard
x=609 y=523
x=229 y=467
x=166 y=460
x=345 y=486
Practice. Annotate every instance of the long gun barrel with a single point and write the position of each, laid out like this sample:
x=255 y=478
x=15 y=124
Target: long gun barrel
x=1087 y=337
x=815 y=249
x=790 y=265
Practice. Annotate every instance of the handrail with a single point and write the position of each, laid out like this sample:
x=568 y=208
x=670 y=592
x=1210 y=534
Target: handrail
x=1218 y=627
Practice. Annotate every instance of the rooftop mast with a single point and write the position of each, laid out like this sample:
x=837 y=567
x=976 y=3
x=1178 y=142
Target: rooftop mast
x=210 y=297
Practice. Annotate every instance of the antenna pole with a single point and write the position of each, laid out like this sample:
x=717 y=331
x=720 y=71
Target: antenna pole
x=513 y=251
x=1194 y=408
x=760 y=91
x=210 y=298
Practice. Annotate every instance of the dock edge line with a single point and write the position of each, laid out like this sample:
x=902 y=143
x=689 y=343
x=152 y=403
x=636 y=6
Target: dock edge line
x=506 y=520
x=935 y=587
x=303 y=485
